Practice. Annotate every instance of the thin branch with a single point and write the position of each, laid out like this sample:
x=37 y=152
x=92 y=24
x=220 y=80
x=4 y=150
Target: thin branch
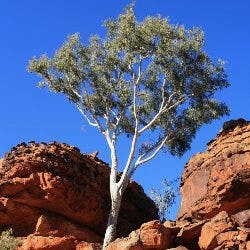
x=114 y=114
x=76 y=93
x=159 y=111
x=96 y=123
x=80 y=108
x=111 y=143
x=140 y=159
x=72 y=88
x=166 y=108
x=139 y=71
x=86 y=117
x=163 y=108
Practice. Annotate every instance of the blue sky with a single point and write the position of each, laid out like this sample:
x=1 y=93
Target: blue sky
x=30 y=28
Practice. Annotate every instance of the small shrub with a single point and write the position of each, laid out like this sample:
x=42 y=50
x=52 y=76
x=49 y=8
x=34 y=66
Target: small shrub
x=8 y=241
x=164 y=198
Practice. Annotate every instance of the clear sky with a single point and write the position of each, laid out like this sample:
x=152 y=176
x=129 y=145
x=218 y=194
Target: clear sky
x=31 y=27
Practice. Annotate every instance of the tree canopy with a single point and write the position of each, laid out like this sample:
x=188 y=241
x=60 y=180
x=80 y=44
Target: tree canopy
x=164 y=64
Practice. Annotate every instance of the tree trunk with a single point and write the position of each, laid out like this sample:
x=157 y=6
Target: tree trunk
x=116 y=198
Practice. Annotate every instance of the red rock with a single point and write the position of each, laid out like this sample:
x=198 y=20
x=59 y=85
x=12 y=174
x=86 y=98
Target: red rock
x=213 y=180
x=215 y=198
x=175 y=226
x=178 y=248
x=52 y=190
x=189 y=234
x=217 y=225
x=132 y=242
x=248 y=245
x=154 y=235
x=20 y=217
x=231 y=239
x=151 y=235
x=48 y=243
x=88 y=246
x=54 y=225
x=242 y=218
x=184 y=232
x=56 y=198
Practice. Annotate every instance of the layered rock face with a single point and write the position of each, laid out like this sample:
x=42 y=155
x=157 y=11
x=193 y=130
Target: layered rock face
x=54 y=197
x=215 y=208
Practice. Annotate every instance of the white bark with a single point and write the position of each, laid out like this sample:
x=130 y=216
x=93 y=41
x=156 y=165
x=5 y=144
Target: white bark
x=116 y=197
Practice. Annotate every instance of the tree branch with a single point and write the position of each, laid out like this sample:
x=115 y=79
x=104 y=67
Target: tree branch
x=96 y=123
x=157 y=148
x=114 y=159
x=135 y=137
x=166 y=108
x=86 y=117
x=163 y=108
x=159 y=111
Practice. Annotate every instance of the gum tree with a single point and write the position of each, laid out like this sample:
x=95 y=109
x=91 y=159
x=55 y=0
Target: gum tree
x=149 y=80
x=164 y=198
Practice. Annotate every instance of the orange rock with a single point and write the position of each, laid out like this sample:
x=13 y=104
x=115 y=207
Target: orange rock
x=54 y=197
x=54 y=225
x=242 y=218
x=213 y=180
x=48 y=243
x=54 y=190
x=132 y=242
x=248 y=245
x=88 y=246
x=217 y=225
x=189 y=234
x=154 y=235
x=20 y=217
x=231 y=239
x=215 y=199
x=1 y=162
x=151 y=235
x=178 y=248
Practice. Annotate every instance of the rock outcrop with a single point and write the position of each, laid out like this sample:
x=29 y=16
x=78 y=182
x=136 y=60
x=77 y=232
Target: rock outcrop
x=151 y=235
x=56 y=198
x=52 y=195
x=218 y=179
x=215 y=208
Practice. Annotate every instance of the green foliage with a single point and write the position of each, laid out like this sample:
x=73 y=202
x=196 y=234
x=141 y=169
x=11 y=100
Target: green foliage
x=152 y=59
x=7 y=241
x=164 y=198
